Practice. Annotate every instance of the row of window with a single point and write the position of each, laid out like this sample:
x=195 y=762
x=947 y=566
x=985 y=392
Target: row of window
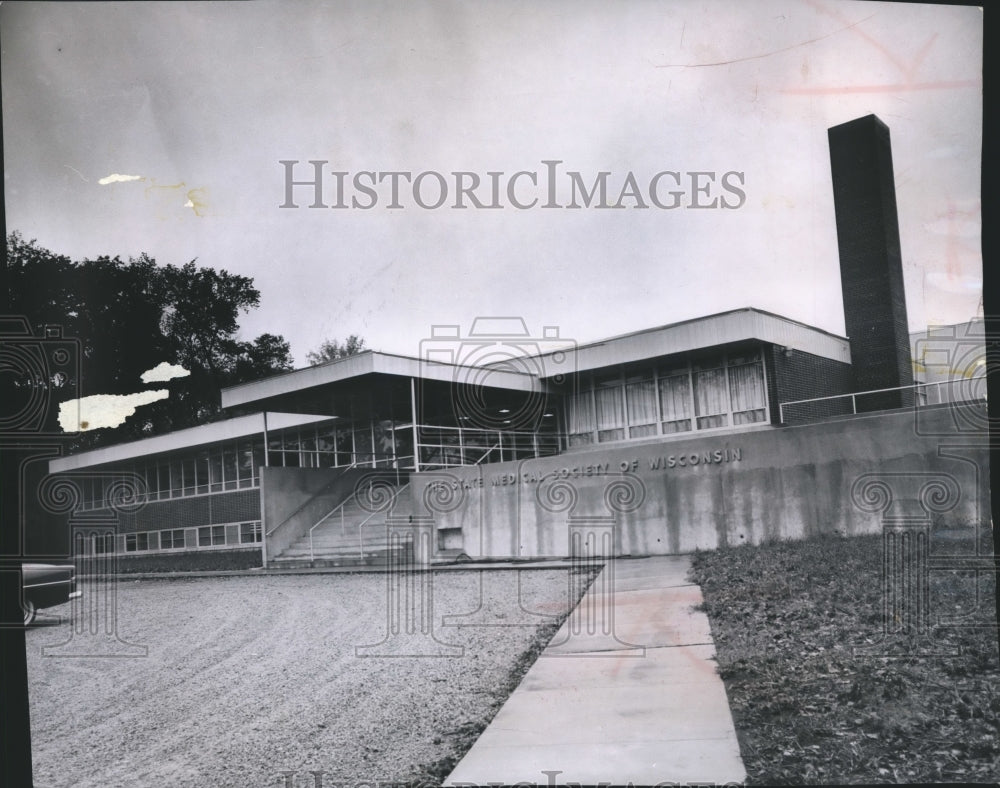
x=234 y=465
x=174 y=538
x=376 y=443
x=447 y=447
x=708 y=394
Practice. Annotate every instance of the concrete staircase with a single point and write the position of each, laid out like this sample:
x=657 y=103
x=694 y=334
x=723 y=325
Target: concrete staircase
x=351 y=536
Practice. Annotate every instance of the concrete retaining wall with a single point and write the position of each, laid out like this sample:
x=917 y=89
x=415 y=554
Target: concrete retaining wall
x=294 y=499
x=679 y=495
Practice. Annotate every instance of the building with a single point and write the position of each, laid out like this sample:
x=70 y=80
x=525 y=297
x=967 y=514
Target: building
x=739 y=426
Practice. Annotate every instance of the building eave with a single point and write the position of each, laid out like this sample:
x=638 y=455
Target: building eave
x=724 y=328
x=372 y=362
x=192 y=437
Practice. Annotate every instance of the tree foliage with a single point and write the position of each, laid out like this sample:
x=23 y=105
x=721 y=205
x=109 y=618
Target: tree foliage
x=333 y=349
x=130 y=316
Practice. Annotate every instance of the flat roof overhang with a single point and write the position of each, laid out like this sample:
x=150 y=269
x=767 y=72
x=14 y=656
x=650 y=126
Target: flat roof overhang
x=193 y=437
x=374 y=363
x=725 y=328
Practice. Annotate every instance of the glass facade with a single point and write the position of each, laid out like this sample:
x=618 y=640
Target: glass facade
x=382 y=443
x=712 y=392
x=234 y=465
x=669 y=397
x=449 y=447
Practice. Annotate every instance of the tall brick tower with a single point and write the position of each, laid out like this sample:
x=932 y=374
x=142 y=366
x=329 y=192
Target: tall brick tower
x=871 y=269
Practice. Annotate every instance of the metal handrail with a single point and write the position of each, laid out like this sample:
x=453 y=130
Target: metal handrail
x=487 y=453
x=343 y=504
x=361 y=525
x=853 y=395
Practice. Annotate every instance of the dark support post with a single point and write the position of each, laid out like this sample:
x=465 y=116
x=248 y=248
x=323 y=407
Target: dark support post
x=15 y=729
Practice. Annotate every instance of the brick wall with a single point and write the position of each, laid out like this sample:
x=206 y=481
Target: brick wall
x=204 y=560
x=214 y=509
x=794 y=375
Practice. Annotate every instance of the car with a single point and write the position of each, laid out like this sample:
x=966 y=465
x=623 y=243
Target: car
x=46 y=585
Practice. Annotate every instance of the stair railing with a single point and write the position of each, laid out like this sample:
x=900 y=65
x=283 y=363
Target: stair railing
x=343 y=532
x=361 y=526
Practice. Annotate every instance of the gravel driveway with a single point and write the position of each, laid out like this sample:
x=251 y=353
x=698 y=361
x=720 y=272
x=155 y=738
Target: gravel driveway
x=252 y=678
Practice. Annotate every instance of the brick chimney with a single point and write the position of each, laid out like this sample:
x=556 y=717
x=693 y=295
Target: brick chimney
x=871 y=268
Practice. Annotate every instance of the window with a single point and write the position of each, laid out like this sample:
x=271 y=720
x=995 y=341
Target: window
x=90 y=497
x=580 y=419
x=172 y=539
x=609 y=404
x=211 y=535
x=362 y=444
x=201 y=471
x=104 y=543
x=640 y=398
x=148 y=473
x=229 y=466
x=746 y=389
x=675 y=400
x=711 y=399
x=404 y=448
x=176 y=478
x=250 y=532
x=345 y=446
x=245 y=456
x=135 y=542
x=163 y=483
x=215 y=470
x=188 y=468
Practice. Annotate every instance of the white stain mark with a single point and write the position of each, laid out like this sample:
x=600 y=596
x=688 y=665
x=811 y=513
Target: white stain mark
x=116 y=178
x=189 y=204
x=163 y=372
x=104 y=410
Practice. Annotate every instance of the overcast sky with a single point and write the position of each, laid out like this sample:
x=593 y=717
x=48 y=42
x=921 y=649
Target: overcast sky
x=202 y=101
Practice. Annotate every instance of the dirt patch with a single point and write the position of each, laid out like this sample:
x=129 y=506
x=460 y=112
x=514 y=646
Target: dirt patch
x=255 y=681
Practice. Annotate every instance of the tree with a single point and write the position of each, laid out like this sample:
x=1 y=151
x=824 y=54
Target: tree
x=131 y=316
x=331 y=350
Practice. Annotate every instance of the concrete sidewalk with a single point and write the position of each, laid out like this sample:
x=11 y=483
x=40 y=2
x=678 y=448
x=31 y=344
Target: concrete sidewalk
x=626 y=692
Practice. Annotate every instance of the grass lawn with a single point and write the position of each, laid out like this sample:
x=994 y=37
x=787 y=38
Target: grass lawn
x=786 y=618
